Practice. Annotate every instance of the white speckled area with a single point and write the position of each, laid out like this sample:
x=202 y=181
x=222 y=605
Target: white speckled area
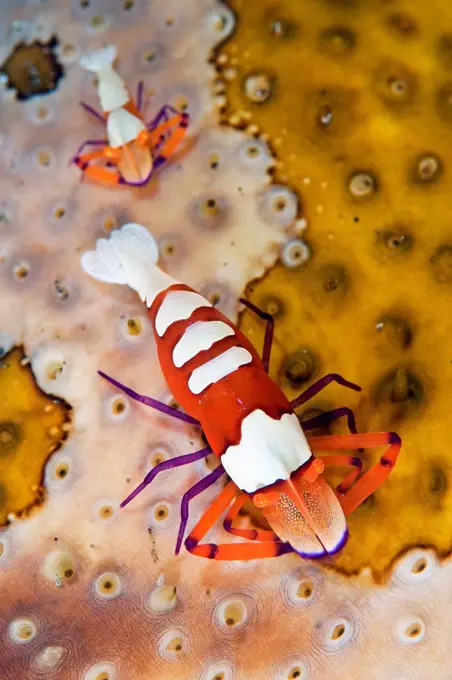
x=90 y=592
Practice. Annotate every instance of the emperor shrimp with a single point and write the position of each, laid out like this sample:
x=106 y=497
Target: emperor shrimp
x=221 y=382
x=133 y=149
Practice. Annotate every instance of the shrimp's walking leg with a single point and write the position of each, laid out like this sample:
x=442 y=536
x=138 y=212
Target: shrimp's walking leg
x=344 y=461
x=88 y=142
x=229 y=551
x=97 y=173
x=320 y=385
x=329 y=417
x=140 y=92
x=148 y=401
x=377 y=474
x=166 y=138
x=165 y=113
x=93 y=112
x=269 y=330
x=166 y=465
x=195 y=490
x=262 y=535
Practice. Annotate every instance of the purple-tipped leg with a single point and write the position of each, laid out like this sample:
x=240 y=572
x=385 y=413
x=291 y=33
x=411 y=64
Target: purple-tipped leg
x=148 y=401
x=93 y=112
x=166 y=465
x=88 y=142
x=268 y=331
x=196 y=489
x=320 y=385
x=140 y=92
x=329 y=417
x=165 y=113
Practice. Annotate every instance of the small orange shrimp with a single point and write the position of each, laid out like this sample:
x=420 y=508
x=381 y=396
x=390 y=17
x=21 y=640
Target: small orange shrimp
x=133 y=149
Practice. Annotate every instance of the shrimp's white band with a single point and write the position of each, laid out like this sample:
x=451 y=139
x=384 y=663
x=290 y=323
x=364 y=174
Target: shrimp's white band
x=268 y=450
x=198 y=337
x=177 y=305
x=218 y=368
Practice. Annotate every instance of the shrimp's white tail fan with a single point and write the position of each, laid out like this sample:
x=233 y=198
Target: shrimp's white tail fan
x=128 y=257
x=111 y=88
x=99 y=60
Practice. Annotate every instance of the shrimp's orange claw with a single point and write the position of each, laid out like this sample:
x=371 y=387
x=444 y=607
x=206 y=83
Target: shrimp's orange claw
x=229 y=551
x=261 y=535
x=357 y=493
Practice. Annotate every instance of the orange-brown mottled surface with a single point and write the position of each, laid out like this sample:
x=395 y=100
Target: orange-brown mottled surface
x=356 y=100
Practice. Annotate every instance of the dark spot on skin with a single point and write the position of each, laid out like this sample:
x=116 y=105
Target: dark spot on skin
x=324 y=116
x=272 y=305
x=396 y=330
x=427 y=168
x=399 y=395
x=258 y=88
x=445 y=48
x=403 y=25
x=337 y=41
x=437 y=481
x=209 y=212
x=333 y=280
x=338 y=631
x=394 y=241
x=362 y=185
x=280 y=28
x=299 y=367
x=444 y=102
x=33 y=69
x=395 y=84
x=10 y=437
x=61 y=290
x=329 y=111
x=441 y=264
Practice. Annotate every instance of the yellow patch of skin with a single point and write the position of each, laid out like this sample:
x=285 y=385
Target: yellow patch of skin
x=32 y=427
x=357 y=98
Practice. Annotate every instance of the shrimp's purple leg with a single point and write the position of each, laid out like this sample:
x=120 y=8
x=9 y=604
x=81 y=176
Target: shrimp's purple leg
x=195 y=490
x=165 y=113
x=148 y=401
x=140 y=92
x=93 y=112
x=329 y=417
x=88 y=142
x=320 y=385
x=166 y=465
x=268 y=340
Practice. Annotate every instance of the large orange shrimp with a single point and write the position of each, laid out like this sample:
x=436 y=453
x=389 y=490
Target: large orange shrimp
x=217 y=376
